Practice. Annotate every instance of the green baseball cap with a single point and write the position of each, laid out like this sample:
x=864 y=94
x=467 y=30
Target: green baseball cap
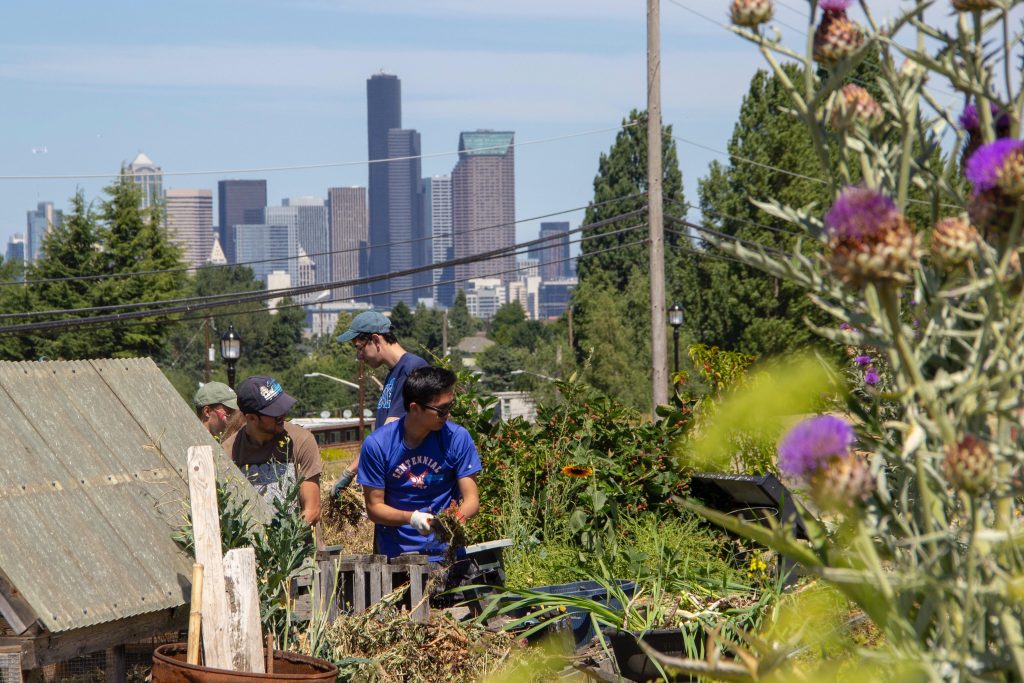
x=367 y=322
x=216 y=392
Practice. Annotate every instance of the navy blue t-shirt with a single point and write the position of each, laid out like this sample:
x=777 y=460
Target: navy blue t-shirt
x=391 y=403
x=424 y=478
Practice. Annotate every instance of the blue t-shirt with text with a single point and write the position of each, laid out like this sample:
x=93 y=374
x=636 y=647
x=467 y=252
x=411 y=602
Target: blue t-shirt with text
x=391 y=403
x=424 y=478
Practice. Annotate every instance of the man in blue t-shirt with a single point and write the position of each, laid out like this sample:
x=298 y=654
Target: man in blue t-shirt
x=414 y=468
x=376 y=345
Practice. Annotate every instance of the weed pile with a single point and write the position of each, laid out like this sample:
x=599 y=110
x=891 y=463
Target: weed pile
x=382 y=645
x=343 y=520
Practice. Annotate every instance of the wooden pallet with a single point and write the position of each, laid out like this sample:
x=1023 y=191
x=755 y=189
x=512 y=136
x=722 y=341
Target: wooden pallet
x=353 y=583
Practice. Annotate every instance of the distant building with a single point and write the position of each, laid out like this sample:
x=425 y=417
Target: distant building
x=512 y=404
x=554 y=297
x=39 y=223
x=15 y=248
x=216 y=253
x=484 y=296
x=266 y=248
x=383 y=113
x=528 y=267
x=348 y=226
x=150 y=179
x=190 y=223
x=239 y=202
x=525 y=291
x=483 y=203
x=470 y=347
x=553 y=254
x=408 y=237
x=437 y=214
x=308 y=216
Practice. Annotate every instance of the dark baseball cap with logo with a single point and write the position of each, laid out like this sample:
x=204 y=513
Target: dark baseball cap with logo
x=264 y=395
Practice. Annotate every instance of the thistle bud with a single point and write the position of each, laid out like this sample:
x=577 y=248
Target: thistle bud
x=852 y=105
x=844 y=483
x=973 y=5
x=997 y=172
x=751 y=13
x=969 y=465
x=869 y=239
x=954 y=241
x=836 y=37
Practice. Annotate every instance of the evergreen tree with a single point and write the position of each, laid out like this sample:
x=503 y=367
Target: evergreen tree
x=728 y=304
x=15 y=298
x=134 y=241
x=460 y=322
x=401 y=320
x=426 y=330
x=619 y=187
x=70 y=250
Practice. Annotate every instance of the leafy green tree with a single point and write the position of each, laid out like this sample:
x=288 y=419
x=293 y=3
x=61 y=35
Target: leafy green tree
x=426 y=330
x=619 y=187
x=401 y=320
x=497 y=364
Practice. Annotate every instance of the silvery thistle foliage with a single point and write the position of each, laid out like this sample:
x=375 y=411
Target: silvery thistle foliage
x=935 y=553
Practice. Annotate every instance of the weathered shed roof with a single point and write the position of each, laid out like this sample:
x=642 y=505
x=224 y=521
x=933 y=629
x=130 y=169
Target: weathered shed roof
x=92 y=485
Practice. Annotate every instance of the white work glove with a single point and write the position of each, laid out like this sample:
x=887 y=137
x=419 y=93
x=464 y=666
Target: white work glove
x=421 y=521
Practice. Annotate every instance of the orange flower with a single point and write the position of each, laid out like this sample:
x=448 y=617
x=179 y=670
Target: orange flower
x=577 y=471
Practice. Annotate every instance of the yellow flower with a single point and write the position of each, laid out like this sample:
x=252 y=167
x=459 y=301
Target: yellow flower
x=577 y=471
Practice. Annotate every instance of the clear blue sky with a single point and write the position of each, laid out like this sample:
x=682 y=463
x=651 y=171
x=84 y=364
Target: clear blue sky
x=228 y=84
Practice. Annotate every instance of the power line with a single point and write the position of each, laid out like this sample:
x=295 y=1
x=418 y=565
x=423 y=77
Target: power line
x=725 y=236
x=112 y=276
x=331 y=164
x=235 y=298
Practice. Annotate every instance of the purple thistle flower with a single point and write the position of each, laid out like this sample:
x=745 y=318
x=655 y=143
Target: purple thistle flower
x=983 y=167
x=871 y=377
x=858 y=213
x=835 y=5
x=845 y=327
x=811 y=444
x=862 y=360
x=970 y=122
x=969 y=118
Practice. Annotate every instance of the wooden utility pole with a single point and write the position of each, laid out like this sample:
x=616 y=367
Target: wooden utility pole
x=362 y=402
x=444 y=332
x=207 y=350
x=659 y=341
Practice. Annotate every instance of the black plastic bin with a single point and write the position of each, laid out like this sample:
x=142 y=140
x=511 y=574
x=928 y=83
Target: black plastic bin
x=582 y=624
x=634 y=663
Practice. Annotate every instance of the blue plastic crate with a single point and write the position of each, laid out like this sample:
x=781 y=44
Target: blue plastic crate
x=582 y=624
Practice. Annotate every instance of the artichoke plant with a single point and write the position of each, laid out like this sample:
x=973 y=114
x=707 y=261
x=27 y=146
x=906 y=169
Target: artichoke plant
x=917 y=518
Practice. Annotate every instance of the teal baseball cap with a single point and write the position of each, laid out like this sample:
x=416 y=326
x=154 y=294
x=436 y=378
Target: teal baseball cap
x=212 y=393
x=367 y=322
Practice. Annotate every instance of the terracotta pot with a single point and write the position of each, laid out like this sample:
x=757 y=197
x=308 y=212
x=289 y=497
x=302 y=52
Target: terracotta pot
x=169 y=666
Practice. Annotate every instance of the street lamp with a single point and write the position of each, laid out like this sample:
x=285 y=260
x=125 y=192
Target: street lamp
x=230 y=350
x=359 y=387
x=675 y=319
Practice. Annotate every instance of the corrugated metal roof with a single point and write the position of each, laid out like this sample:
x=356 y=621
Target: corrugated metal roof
x=92 y=485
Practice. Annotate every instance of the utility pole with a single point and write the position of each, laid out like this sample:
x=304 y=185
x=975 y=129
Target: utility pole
x=207 y=350
x=568 y=312
x=362 y=402
x=656 y=239
x=444 y=332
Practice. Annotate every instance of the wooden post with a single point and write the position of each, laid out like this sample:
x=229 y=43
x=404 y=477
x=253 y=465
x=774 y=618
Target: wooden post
x=655 y=222
x=245 y=632
x=116 y=670
x=195 y=614
x=206 y=533
x=270 y=654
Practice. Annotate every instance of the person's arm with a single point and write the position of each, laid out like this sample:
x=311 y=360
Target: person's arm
x=470 y=494
x=380 y=512
x=393 y=418
x=309 y=499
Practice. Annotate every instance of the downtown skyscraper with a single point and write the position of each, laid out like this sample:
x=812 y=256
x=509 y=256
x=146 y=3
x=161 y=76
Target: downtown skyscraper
x=553 y=254
x=483 y=203
x=239 y=202
x=190 y=223
x=398 y=237
x=347 y=224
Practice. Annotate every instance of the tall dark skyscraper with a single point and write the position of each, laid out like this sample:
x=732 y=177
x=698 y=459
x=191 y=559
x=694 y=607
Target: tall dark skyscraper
x=553 y=255
x=383 y=113
x=239 y=202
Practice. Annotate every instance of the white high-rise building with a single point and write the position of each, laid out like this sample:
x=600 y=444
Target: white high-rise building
x=190 y=223
x=437 y=196
x=149 y=177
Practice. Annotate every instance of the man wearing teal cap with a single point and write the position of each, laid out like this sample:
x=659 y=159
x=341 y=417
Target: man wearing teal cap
x=215 y=404
x=376 y=345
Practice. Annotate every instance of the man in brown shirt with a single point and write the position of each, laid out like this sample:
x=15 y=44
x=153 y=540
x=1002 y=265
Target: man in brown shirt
x=271 y=452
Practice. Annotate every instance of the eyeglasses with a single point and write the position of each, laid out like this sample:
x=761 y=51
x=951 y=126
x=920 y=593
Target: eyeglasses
x=442 y=411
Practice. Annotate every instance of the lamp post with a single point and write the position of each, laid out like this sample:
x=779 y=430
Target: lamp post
x=230 y=350
x=675 y=319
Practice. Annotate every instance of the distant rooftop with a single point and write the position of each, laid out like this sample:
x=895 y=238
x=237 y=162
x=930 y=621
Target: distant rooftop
x=143 y=160
x=485 y=143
